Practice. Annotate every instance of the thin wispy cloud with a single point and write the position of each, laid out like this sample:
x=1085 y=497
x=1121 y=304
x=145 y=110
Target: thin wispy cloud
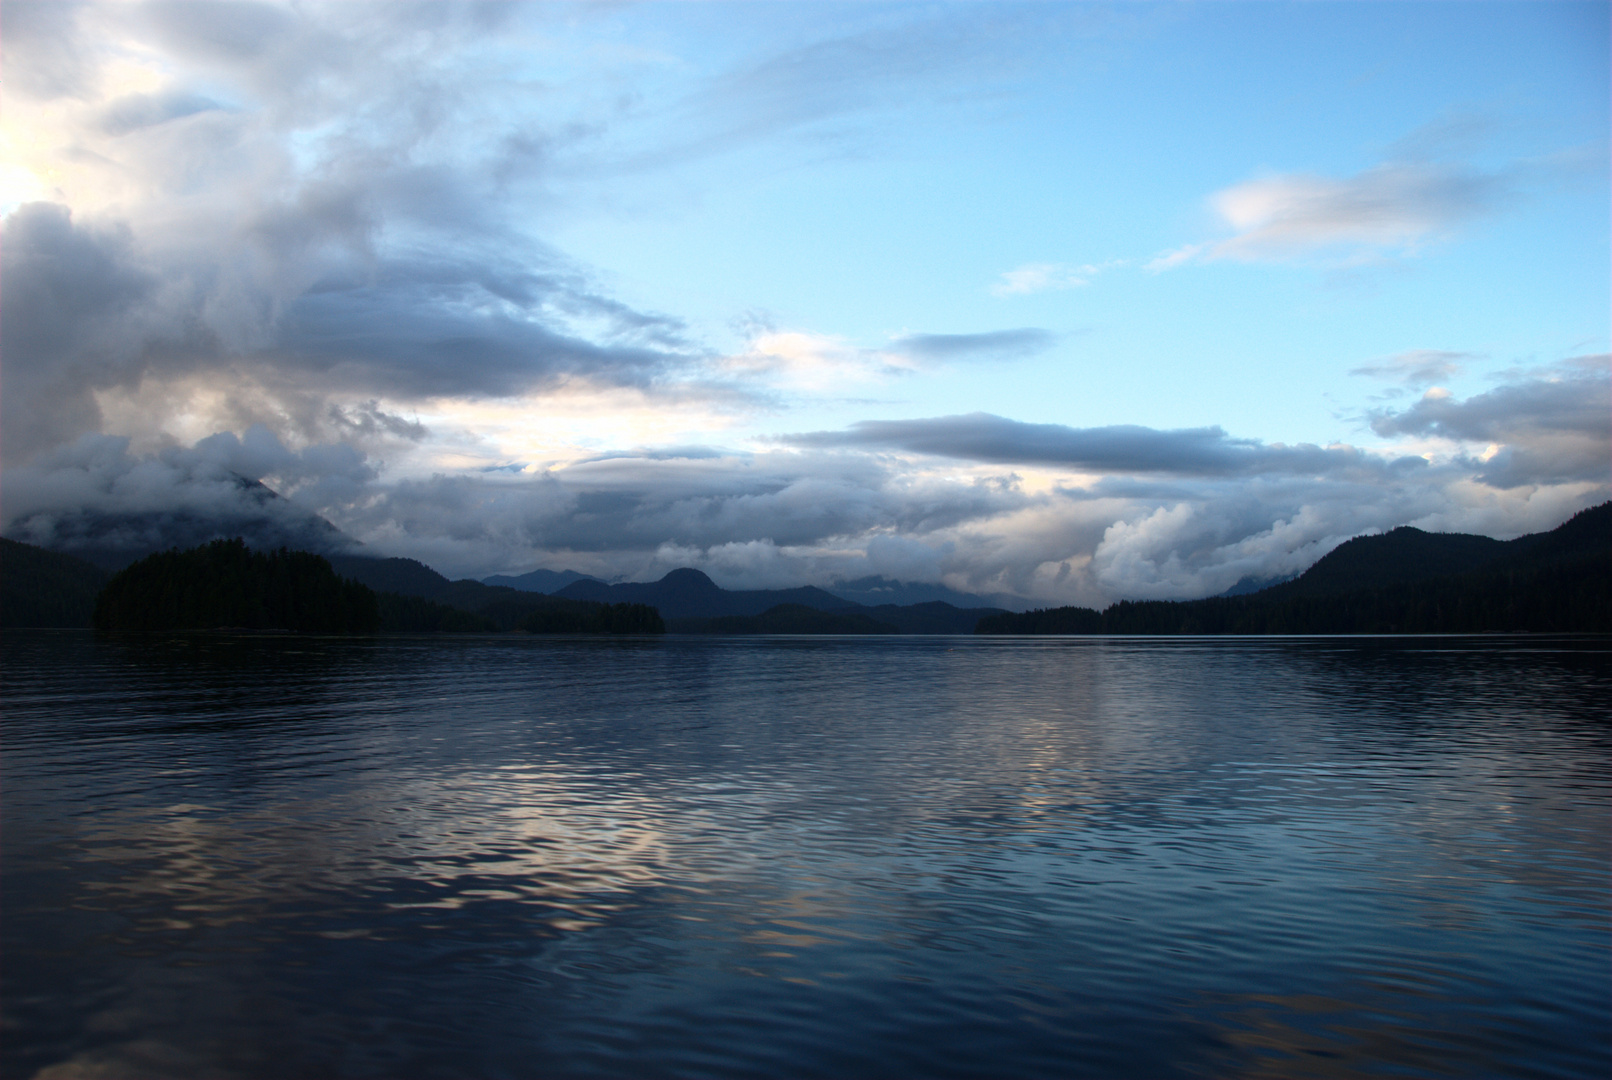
x=1426 y=191
x=1418 y=367
x=1042 y=277
x=1388 y=210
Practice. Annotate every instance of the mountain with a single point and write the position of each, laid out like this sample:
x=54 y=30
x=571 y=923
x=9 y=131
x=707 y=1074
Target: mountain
x=538 y=581
x=248 y=509
x=415 y=597
x=1398 y=557
x=935 y=617
x=1404 y=581
x=40 y=588
x=406 y=577
x=1250 y=584
x=689 y=594
x=877 y=591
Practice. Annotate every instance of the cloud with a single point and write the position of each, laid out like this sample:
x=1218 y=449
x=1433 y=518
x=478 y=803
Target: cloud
x=94 y=496
x=779 y=518
x=1550 y=429
x=1169 y=260
x=863 y=65
x=43 y=57
x=135 y=111
x=1042 y=277
x=1390 y=209
x=86 y=310
x=806 y=361
x=1419 y=367
x=991 y=345
x=1121 y=448
x=1425 y=192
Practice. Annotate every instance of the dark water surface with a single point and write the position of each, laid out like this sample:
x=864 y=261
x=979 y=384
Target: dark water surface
x=510 y=856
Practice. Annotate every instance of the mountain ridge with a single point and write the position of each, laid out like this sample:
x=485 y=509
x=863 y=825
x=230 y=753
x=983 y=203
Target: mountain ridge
x=1403 y=581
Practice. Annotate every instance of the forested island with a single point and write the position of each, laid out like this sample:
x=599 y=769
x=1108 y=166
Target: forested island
x=225 y=585
x=1403 y=582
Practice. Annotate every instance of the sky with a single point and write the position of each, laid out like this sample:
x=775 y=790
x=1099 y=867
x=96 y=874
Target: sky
x=1071 y=302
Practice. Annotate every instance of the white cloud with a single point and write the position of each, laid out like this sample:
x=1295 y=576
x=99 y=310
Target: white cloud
x=1042 y=277
x=1391 y=209
x=801 y=360
x=1169 y=260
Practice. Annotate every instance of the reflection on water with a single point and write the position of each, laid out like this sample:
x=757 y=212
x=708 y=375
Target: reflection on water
x=264 y=857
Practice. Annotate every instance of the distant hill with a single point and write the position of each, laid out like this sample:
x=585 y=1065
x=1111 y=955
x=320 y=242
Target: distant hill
x=40 y=588
x=690 y=602
x=538 y=581
x=935 y=617
x=422 y=599
x=690 y=594
x=877 y=591
x=1404 y=581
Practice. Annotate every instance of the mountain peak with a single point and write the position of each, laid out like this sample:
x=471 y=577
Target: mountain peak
x=689 y=579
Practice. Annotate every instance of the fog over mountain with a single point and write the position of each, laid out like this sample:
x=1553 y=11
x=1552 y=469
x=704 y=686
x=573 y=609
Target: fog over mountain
x=511 y=287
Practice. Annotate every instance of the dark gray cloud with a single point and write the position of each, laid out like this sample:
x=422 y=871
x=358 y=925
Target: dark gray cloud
x=1121 y=448
x=442 y=327
x=992 y=345
x=83 y=312
x=1549 y=429
x=1574 y=403
x=71 y=296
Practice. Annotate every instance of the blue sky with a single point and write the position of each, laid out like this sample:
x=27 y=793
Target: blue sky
x=630 y=286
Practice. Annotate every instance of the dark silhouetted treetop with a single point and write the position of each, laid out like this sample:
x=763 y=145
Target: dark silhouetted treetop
x=225 y=584
x=46 y=588
x=584 y=618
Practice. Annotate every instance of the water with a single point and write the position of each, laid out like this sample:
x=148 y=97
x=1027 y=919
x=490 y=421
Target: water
x=509 y=856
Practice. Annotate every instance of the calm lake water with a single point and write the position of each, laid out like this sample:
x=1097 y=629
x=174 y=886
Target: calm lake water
x=509 y=856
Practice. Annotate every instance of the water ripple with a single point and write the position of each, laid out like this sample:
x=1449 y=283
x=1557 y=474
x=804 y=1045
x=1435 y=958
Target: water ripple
x=261 y=857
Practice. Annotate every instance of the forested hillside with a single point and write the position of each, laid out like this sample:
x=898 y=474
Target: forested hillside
x=226 y=584
x=1403 y=582
x=40 y=588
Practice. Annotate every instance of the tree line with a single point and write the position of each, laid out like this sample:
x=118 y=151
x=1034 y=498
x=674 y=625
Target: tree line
x=1573 y=596
x=225 y=584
